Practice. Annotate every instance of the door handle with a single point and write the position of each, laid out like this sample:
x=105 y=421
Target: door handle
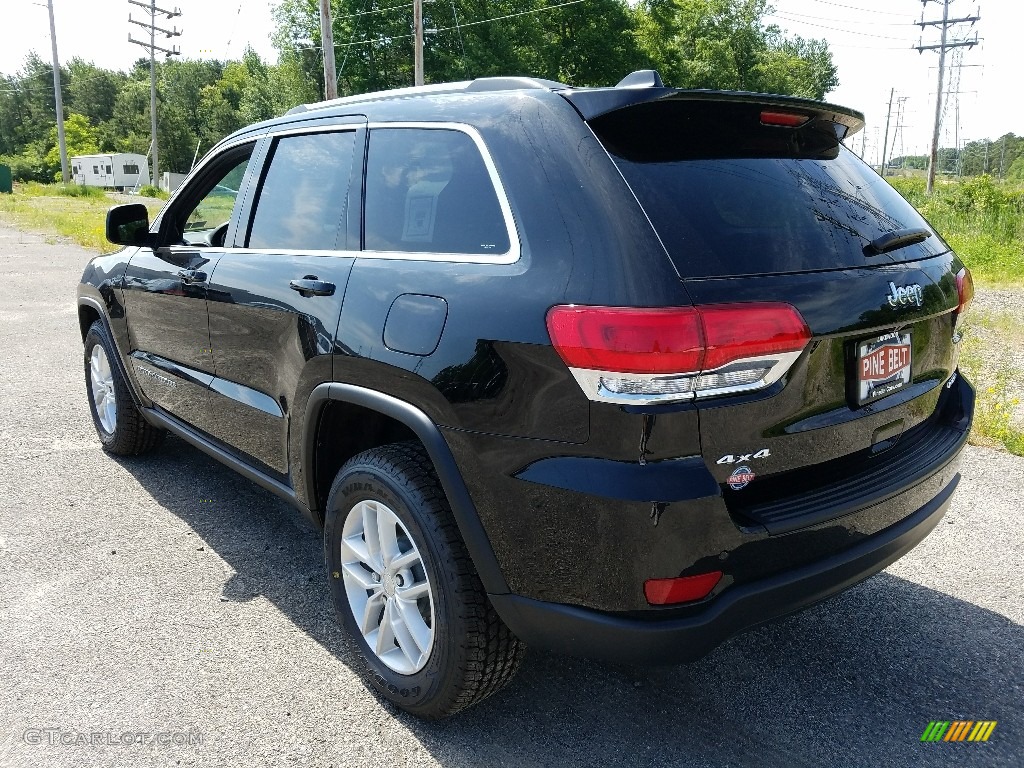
x=191 y=276
x=310 y=285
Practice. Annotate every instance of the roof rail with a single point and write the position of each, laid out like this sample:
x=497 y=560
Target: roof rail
x=515 y=84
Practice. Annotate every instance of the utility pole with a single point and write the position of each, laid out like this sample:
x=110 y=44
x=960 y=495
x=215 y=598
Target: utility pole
x=327 y=42
x=152 y=47
x=942 y=47
x=417 y=28
x=59 y=99
x=885 y=143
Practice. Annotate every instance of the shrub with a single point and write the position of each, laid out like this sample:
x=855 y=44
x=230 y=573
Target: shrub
x=148 y=190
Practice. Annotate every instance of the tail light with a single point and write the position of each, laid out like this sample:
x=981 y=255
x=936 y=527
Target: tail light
x=642 y=356
x=964 y=291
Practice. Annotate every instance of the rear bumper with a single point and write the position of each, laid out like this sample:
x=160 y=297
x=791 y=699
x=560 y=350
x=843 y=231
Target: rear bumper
x=585 y=632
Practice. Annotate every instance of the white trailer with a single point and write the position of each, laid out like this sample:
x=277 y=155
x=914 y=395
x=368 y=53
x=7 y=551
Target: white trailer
x=118 y=170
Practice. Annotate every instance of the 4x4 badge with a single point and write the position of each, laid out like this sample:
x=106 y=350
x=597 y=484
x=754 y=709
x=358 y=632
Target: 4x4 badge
x=729 y=458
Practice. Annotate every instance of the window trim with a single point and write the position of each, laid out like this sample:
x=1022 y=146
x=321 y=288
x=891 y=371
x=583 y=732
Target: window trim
x=511 y=256
x=514 y=252
x=266 y=163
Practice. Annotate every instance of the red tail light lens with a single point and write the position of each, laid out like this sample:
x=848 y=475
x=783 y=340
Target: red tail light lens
x=644 y=356
x=628 y=340
x=964 y=290
x=683 y=589
x=739 y=331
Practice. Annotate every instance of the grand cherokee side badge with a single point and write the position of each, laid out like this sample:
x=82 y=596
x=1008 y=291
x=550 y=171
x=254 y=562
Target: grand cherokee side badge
x=905 y=294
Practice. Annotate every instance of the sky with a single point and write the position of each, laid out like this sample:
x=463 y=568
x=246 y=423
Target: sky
x=870 y=41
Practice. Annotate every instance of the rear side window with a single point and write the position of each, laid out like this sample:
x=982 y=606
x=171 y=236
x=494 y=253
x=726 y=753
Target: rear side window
x=302 y=200
x=729 y=196
x=428 y=191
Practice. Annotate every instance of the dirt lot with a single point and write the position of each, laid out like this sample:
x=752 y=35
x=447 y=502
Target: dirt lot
x=166 y=601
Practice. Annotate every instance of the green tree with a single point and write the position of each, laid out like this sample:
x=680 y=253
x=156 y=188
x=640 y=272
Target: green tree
x=79 y=137
x=725 y=44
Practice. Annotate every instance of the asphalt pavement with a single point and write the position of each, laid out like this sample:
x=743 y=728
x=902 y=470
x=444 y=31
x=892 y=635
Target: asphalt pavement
x=164 y=611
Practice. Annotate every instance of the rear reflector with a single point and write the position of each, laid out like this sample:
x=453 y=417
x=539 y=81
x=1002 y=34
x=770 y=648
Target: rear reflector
x=784 y=119
x=656 y=355
x=683 y=589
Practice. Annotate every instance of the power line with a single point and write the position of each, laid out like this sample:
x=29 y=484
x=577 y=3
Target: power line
x=860 y=10
x=835 y=29
x=389 y=38
x=852 y=21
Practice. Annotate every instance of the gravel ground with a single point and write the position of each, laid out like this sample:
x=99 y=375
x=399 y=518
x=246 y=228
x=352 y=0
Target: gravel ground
x=165 y=595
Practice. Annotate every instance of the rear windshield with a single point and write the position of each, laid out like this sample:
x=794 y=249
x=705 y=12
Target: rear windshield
x=730 y=196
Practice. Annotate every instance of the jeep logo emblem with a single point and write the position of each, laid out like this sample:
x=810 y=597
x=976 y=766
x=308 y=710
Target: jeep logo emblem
x=905 y=294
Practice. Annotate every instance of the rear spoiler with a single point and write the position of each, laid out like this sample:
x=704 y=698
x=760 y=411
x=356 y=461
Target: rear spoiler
x=592 y=103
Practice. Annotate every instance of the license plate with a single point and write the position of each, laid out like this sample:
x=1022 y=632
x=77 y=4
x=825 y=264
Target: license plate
x=883 y=366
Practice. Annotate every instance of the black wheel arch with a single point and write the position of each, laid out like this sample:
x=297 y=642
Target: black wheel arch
x=428 y=433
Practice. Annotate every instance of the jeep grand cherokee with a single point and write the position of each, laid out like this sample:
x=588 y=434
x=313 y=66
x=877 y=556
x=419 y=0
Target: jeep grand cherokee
x=618 y=372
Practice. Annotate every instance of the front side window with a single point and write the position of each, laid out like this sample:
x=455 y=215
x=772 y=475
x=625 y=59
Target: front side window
x=428 y=191
x=207 y=218
x=302 y=200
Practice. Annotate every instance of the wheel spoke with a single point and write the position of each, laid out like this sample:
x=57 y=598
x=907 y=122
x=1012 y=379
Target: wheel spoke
x=353 y=550
x=387 y=536
x=414 y=626
x=414 y=591
x=370 y=534
x=362 y=576
x=405 y=560
x=371 y=613
x=386 y=633
x=404 y=638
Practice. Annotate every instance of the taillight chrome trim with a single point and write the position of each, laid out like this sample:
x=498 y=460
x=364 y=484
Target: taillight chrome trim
x=593 y=381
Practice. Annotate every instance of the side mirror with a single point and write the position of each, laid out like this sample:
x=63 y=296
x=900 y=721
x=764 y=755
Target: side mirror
x=128 y=224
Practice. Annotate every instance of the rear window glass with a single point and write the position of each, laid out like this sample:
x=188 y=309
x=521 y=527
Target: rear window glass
x=729 y=196
x=428 y=191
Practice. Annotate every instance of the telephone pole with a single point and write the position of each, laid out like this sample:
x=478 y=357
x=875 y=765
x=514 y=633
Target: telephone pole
x=417 y=28
x=152 y=47
x=885 y=143
x=327 y=42
x=59 y=99
x=942 y=47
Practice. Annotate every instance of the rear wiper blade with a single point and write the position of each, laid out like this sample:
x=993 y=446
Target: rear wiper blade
x=892 y=241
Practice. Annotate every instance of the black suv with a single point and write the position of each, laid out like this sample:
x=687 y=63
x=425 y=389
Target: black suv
x=618 y=372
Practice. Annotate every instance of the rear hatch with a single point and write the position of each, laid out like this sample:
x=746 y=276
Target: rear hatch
x=756 y=199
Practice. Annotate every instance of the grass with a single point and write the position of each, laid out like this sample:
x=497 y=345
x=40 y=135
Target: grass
x=982 y=220
x=71 y=211
x=990 y=340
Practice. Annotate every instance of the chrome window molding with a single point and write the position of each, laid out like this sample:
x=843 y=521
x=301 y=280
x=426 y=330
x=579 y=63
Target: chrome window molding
x=511 y=256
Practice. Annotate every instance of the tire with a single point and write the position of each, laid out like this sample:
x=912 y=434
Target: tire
x=121 y=428
x=466 y=653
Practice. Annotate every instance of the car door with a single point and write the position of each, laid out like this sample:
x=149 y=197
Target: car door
x=166 y=288
x=275 y=295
